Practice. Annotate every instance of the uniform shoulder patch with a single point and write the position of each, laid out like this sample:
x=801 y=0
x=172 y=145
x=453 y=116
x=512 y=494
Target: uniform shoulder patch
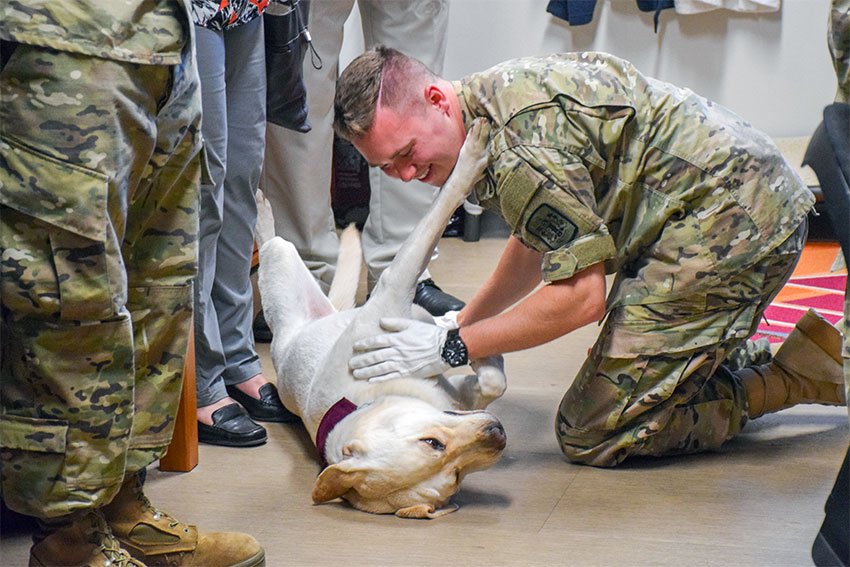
x=552 y=228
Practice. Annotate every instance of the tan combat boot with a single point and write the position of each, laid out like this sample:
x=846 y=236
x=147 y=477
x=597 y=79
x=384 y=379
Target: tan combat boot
x=807 y=369
x=86 y=541
x=157 y=539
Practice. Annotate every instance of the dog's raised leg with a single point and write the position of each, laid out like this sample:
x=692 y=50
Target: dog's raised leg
x=393 y=294
x=290 y=295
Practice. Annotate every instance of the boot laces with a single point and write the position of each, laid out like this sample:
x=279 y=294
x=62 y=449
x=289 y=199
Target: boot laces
x=116 y=556
x=157 y=514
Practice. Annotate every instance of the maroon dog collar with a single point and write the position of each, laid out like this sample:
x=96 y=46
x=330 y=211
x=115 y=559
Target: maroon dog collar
x=334 y=415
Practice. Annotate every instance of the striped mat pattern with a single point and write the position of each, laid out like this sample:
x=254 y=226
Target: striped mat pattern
x=812 y=285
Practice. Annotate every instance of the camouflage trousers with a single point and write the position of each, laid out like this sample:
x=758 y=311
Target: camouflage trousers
x=671 y=401
x=838 y=41
x=845 y=353
x=99 y=175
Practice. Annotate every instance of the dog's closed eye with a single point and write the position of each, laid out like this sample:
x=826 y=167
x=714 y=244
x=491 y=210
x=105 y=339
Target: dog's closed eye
x=434 y=443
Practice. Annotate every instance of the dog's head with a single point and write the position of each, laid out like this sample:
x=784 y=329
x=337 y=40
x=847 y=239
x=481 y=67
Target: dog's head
x=402 y=455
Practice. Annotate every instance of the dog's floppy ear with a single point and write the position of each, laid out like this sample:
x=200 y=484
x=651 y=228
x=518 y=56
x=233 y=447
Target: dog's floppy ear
x=335 y=481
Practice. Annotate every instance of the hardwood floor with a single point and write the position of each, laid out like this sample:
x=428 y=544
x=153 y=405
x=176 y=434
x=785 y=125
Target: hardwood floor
x=757 y=502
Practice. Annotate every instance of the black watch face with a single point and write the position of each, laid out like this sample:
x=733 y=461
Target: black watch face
x=454 y=351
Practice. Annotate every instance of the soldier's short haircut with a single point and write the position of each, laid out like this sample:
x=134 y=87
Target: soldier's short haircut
x=383 y=75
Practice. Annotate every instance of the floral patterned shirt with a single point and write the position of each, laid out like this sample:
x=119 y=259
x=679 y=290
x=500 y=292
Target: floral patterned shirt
x=226 y=14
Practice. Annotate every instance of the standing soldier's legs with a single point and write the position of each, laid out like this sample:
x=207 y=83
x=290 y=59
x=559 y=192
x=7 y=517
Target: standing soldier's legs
x=683 y=402
x=160 y=252
x=80 y=190
x=845 y=353
x=98 y=243
x=838 y=40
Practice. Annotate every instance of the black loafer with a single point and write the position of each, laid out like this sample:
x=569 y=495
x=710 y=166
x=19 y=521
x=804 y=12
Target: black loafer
x=232 y=428
x=434 y=300
x=267 y=408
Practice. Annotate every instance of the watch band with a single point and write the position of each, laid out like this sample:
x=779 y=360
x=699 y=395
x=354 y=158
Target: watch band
x=454 y=350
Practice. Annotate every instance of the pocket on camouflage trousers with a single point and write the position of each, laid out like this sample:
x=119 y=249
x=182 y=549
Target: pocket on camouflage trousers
x=54 y=237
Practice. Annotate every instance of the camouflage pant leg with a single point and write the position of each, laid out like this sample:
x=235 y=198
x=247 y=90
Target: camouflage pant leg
x=846 y=344
x=98 y=221
x=675 y=402
x=838 y=39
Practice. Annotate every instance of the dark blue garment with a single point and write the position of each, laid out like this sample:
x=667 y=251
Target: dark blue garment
x=654 y=6
x=576 y=12
x=579 y=12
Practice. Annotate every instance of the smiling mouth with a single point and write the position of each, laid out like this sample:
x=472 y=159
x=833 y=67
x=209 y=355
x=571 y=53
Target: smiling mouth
x=424 y=175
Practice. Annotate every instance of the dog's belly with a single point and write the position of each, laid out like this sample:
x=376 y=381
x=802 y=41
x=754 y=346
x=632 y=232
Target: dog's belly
x=309 y=372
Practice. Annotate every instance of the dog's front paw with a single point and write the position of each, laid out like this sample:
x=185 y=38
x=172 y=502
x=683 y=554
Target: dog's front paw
x=477 y=391
x=473 y=158
x=492 y=381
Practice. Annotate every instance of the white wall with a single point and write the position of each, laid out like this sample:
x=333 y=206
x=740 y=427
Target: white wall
x=773 y=69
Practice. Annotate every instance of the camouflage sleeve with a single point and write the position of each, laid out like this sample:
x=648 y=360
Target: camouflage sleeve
x=556 y=219
x=583 y=252
x=147 y=32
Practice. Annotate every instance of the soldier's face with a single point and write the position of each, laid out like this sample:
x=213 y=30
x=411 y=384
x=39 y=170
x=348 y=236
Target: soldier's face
x=422 y=144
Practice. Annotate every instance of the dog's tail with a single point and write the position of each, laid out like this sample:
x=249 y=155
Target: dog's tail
x=349 y=265
x=264 y=229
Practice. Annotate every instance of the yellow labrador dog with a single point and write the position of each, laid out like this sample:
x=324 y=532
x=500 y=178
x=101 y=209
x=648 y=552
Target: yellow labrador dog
x=398 y=446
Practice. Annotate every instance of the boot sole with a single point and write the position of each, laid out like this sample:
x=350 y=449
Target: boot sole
x=258 y=560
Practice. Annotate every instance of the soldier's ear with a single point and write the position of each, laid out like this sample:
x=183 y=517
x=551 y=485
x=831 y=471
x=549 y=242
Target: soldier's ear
x=436 y=97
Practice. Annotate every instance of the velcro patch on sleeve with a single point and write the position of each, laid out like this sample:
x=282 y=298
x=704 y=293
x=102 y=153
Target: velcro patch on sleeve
x=551 y=226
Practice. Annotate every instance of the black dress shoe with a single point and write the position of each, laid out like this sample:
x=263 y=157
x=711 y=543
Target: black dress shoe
x=267 y=408
x=233 y=428
x=262 y=332
x=456 y=222
x=434 y=300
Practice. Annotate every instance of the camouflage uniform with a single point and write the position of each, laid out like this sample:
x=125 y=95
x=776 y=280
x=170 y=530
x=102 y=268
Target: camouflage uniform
x=838 y=39
x=99 y=166
x=696 y=212
x=846 y=343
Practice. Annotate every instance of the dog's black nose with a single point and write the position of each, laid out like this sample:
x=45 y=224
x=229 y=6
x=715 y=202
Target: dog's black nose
x=495 y=435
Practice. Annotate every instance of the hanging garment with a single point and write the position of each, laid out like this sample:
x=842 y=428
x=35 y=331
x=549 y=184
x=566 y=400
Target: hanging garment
x=699 y=6
x=580 y=12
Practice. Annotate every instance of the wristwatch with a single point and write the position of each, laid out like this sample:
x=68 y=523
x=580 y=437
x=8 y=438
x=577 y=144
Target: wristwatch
x=454 y=351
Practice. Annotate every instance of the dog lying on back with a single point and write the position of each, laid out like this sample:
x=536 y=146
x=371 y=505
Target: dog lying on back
x=400 y=446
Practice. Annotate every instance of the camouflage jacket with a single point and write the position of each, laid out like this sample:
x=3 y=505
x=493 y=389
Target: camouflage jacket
x=226 y=14
x=150 y=32
x=592 y=161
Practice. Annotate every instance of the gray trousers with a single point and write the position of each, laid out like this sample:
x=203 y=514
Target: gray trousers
x=297 y=173
x=231 y=65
